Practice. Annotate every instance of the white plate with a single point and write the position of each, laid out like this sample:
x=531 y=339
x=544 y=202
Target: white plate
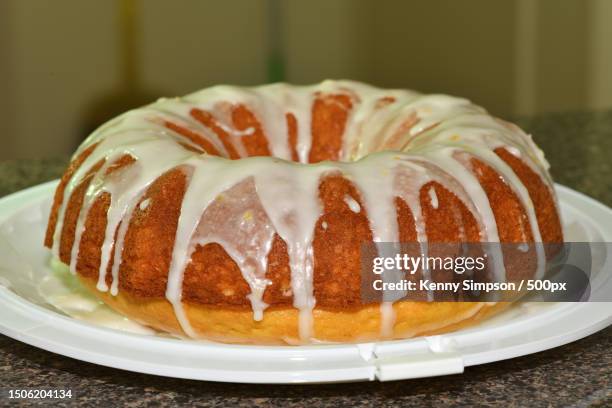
x=524 y=329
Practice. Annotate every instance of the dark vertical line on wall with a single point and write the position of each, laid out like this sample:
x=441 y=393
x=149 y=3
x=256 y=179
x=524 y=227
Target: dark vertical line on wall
x=128 y=57
x=525 y=56
x=589 y=53
x=363 y=27
x=275 y=58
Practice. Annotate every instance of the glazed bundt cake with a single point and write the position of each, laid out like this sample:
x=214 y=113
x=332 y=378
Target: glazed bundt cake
x=238 y=214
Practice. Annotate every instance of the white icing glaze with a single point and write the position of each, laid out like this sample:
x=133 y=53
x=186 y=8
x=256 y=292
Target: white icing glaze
x=63 y=291
x=433 y=198
x=352 y=204
x=394 y=142
x=144 y=204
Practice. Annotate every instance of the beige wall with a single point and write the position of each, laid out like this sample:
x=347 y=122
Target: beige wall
x=46 y=58
x=63 y=63
x=463 y=48
x=327 y=39
x=62 y=70
x=187 y=45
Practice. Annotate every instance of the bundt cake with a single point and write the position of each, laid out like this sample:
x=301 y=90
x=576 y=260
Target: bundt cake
x=238 y=214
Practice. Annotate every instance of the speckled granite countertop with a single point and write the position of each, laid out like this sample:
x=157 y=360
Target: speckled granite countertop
x=579 y=148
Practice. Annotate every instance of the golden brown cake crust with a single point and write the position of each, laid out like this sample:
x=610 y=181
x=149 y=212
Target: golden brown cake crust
x=279 y=325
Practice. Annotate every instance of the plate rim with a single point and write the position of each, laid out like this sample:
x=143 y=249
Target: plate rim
x=366 y=360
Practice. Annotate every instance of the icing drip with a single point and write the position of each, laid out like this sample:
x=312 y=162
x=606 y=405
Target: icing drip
x=374 y=178
x=118 y=246
x=419 y=139
x=352 y=204
x=410 y=177
x=144 y=204
x=291 y=200
x=445 y=158
x=433 y=198
x=246 y=235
